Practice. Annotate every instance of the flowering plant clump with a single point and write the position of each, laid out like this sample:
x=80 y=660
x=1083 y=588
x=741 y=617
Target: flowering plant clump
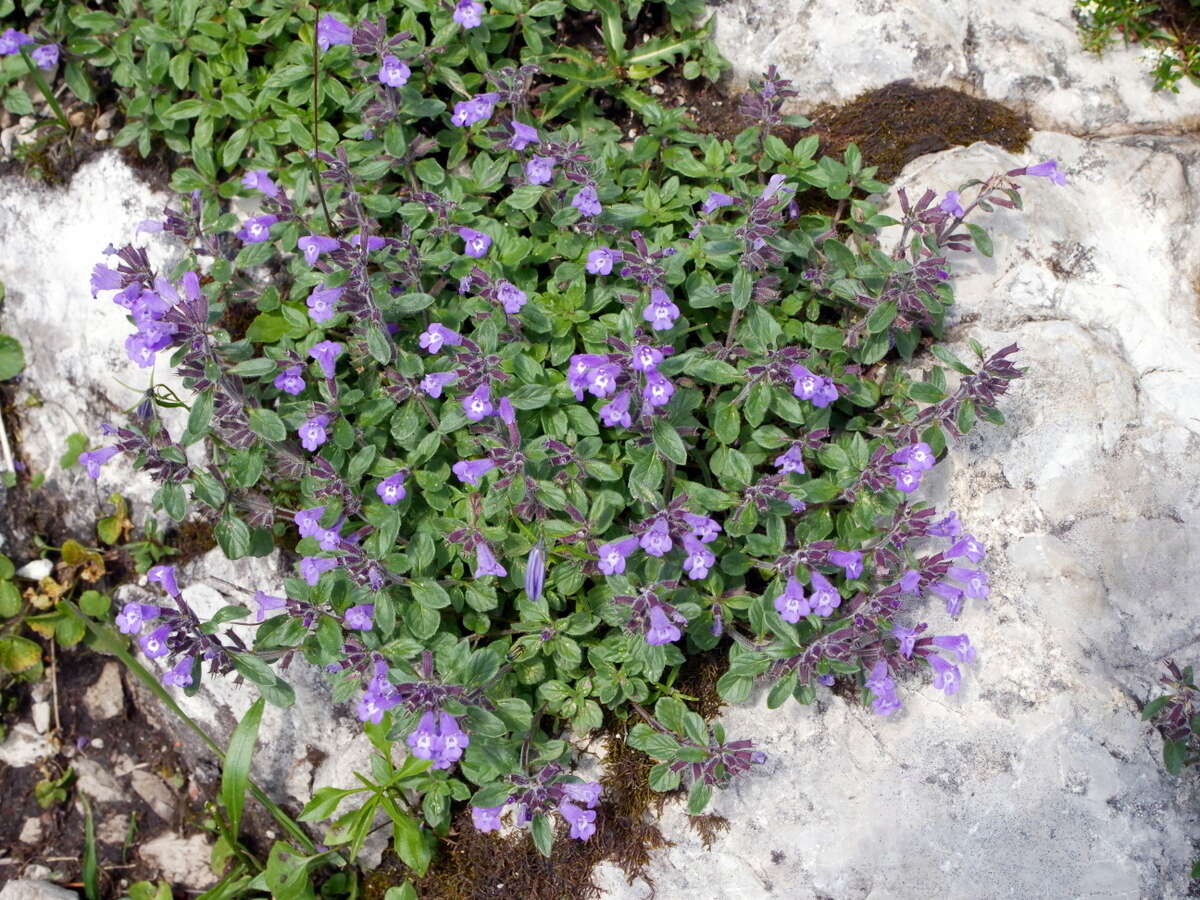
x=548 y=419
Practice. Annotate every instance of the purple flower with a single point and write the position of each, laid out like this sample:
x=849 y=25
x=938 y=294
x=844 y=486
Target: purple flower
x=326 y=354
x=313 y=567
x=535 y=572
x=656 y=540
x=616 y=411
x=180 y=674
x=486 y=818
x=452 y=741
x=321 y=303
x=825 y=597
x=312 y=433
x=582 y=821
x=267 y=603
x=715 y=200
x=433 y=383
x=951 y=594
x=587 y=793
x=658 y=389
x=540 y=169
x=660 y=312
x=600 y=261
x=586 y=201
x=139 y=351
x=851 y=561
x=12 y=40
x=46 y=56
x=438 y=335
x=523 y=135
x=907 y=638
x=975 y=583
x=477 y=405
x=910 y=581
x=314 y=245
x=504 y=409
x=468 y=13
x=476 y=242
x=394 y=72
x=133 y=615
x=580 y=369
x=646 y=358
x=662 y=630
x=792 y=461
x=164 y=577
x=699 y=559
x=260 y=180
x=478 y=109
x=792 y=605
x=1048 y=169
x=257 y=229
x=332 y=31
x=469 y=471
x=485 y=562
x=154 y=644
x=819 y=391
x=360 y=617
x=959 y=644
x=966 y=546
x=952 y=205
x=602 y=380
x=104 y=279
x=907 y=480
x=946 y=676
x=290 y=380
x=703 y=528
x=947 y=527
x=391 y=489
x=423 y=740
x=511 y=297
x=308 y=521
x=613 y=556
x=917 y=456
x=883 y=687
x=94 y=459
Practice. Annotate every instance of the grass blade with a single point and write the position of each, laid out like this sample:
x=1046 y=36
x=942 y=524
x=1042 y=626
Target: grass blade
x=91 y=870
x=235 y=777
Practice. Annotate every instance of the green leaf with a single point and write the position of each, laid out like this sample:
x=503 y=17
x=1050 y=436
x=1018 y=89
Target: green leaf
x=233 y=535
x=267 y=424
x=95 y=604
x=10 y=600
x=12 y=357
x=1154 y=707
x=983 y=243
x=429 y=594
x=173 y=500
x=18 y=654
x=413 y=844
x=668 y=442
x=267 y=328
x=1174 y=754
x=379 y=345
x=235 y=775
x=698 y=798
x=543 y=834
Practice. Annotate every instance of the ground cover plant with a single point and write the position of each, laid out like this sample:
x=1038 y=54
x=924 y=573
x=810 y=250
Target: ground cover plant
x=215 y=81
x=1169 y=29
x=542 y=412
x=1176 y=715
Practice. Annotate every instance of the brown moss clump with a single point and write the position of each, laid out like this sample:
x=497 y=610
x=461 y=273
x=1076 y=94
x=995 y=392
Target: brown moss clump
x=708 y=826
x=471 y=865
x=895 y=124
x=698 y=678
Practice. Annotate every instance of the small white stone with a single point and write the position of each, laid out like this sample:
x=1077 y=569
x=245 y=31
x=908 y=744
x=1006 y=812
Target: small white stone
x=95 y=780
x=31 y=831
x=41 y=716
x=155 y=792
x=106 y=697
x=24 y=746
x=36 y=570
x=32 y=887
x=181 y=861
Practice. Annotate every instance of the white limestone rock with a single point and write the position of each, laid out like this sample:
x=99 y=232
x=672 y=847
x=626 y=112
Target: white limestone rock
x=1026 y=53
x=76 y=366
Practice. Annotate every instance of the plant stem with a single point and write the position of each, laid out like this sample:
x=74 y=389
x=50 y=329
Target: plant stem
x=316 y=107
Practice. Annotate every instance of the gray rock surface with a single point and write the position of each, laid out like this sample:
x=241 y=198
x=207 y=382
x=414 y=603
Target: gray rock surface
x=181 y=861
x=34 y=889
x=1025 y=53
x=105 y=699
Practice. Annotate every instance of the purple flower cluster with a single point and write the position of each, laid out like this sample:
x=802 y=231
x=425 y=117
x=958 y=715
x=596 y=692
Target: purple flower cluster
x=147 y=307
x=619 y=376
x=543 y=793
x=437 y=737
x=45 y=57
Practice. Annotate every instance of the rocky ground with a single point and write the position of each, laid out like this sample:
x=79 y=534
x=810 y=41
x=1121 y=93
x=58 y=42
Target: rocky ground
x=1037 y=780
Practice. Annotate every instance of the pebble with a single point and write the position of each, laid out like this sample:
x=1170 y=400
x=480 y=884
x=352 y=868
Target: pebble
x=31 y=831
x=106 y=697
x=35 y=888
x=102 y=134
x=41 y=716
x=24 y=746
x=97 y=782
x=181 y=861
x=155 y=792
x=113 y=829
